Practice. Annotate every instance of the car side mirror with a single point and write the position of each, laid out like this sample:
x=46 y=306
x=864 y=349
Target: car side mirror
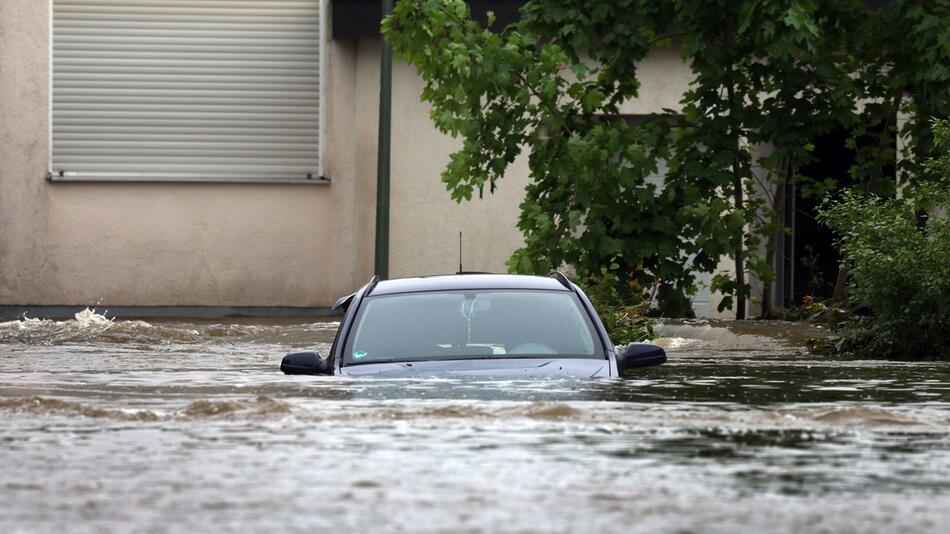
x=305 y=363
x=640 y=355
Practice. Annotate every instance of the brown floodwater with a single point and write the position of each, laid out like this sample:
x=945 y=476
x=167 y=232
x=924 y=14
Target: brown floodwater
x=117 y=426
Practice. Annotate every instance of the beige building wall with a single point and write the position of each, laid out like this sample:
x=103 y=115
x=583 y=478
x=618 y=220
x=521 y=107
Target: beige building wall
x=126 y=244
x=664 y=77
x=424 y=220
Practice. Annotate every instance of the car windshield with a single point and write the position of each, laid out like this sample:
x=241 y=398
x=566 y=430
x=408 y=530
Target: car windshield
x=470 y=325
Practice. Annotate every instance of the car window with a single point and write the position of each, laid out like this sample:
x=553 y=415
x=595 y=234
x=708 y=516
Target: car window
x=471 y=324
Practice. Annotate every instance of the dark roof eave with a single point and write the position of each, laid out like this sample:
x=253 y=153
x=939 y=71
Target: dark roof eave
x=361 y=18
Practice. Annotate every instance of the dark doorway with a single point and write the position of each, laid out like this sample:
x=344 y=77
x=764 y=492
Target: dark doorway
x=811 y=261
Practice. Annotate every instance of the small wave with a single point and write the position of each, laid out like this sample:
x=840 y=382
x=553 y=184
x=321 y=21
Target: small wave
x=90 y=325
x=546 y=411
x=88 y=318
x=44 y=406
x=226 y=331
x=864 y=415
x=262 y=406
x=722 y=337
x=675 y=342
x=534 y=410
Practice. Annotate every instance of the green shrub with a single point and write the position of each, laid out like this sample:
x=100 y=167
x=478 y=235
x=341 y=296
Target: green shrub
x=621 y=306
x=626 y=324
x=900 y=269
x=824 y=313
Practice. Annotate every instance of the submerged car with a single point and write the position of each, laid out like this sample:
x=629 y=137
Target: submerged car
x=472 y=325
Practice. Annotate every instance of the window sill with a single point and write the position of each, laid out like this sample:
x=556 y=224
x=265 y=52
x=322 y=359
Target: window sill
x=171 y=179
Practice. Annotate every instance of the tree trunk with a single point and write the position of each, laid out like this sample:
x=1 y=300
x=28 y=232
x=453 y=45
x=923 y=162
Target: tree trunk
x=738 y=200
x=841 y=283
x=770 y=247
x=767 y=285
x=778 y=208
x=740 y=268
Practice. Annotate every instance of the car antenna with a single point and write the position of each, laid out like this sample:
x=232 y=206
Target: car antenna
x=460 y=253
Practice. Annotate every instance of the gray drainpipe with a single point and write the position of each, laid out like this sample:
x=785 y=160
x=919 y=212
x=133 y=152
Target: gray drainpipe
x=382 y=161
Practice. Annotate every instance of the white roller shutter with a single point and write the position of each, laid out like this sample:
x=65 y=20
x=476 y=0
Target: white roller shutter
x=185 y=89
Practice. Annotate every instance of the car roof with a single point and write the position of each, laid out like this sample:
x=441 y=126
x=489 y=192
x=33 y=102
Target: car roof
x=466 y=281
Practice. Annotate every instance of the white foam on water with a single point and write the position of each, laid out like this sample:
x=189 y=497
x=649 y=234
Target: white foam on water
x=89 y=318
x=675 y=342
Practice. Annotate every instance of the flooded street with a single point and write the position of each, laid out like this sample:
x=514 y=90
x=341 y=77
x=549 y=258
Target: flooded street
x=172 y=426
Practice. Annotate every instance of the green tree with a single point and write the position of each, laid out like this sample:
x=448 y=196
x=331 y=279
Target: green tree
x=544 y=84
x=769 y=77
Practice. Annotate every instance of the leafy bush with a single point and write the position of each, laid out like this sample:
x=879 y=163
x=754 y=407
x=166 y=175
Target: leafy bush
x=621 y=306
x=900 y=267
x=626 y=324
x=819 y=312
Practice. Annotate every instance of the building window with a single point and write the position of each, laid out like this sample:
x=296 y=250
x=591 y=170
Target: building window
x=171 y=90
